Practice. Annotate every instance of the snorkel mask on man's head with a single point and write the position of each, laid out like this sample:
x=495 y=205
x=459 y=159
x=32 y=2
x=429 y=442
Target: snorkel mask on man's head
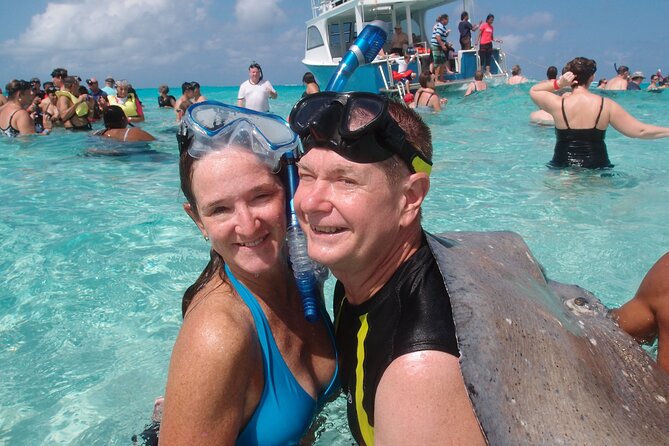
x=210 y=126
x=357 y=126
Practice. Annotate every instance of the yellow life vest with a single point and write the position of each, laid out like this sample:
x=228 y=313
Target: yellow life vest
x=82 y=108
x=129 y=106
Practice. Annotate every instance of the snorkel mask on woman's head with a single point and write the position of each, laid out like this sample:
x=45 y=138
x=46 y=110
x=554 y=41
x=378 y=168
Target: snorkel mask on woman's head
x=357 y=126
x=211 y=125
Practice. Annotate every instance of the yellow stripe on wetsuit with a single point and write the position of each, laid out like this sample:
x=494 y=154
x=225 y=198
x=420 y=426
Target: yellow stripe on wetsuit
x=366 y=430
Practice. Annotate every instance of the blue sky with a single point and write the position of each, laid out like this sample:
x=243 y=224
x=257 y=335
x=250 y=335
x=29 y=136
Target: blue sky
x=151 y=42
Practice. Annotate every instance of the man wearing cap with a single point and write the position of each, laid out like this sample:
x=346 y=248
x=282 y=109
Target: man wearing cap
x=399 y=42
x=637 y=78
x=360 y=206
x=109 y=87
x=620 y=81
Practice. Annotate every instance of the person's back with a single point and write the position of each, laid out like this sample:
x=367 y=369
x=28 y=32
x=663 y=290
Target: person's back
x=620 y=81
x=117 y=128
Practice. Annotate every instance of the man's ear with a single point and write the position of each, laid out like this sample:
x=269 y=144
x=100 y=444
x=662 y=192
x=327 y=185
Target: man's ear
x=415 y=191
x=192 y=213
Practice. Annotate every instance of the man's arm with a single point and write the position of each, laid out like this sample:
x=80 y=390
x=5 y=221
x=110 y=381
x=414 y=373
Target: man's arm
x=422 y=400
x=646 y=315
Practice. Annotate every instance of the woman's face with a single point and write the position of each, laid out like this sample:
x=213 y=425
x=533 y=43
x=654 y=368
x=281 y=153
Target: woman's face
x=241 y=208
x=122 y=91
x=490 y=20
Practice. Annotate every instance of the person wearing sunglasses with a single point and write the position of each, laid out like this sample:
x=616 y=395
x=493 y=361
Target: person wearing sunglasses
x=51 y=115
x=364 y=173
x=14 y=117
x=247 y=367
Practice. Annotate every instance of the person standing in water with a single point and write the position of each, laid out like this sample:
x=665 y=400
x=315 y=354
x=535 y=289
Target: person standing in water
x=581 y=118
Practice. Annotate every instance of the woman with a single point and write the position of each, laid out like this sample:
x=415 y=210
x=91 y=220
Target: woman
x=116 y=127
x=48 y=106
x=14 y=117
x=247 y=368
x=426 y=98
x=484 y=41
x=165 y=99
x=127 y=101
x=310 y=84
x=478 y=84
x=581 y=118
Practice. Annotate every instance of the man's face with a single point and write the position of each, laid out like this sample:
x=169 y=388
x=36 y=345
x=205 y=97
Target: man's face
x=254 y=75
x=348 y=211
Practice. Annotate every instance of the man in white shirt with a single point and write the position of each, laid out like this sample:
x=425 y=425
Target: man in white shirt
x=256 y=92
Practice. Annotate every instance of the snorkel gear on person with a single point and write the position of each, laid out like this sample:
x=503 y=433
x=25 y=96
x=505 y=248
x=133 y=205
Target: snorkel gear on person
x=357 y=126
x=209 y=126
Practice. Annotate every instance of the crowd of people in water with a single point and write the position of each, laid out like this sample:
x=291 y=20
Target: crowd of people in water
x=247 y=367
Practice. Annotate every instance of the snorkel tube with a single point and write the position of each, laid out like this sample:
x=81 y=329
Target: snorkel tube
x=309 y=274
x=364 y=50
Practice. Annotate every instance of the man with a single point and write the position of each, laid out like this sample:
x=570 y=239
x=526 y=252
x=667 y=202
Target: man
x=197 y=95
x=109 y=87
x=185 y=101
x=620 y=81
x=72 y=106
x=57 y=76
x=465 y=28
x=256 y=92
x=440 y=47
x=646 y=315
x=637 y=78
x=400 y=41
x=395 y=331
x=98 y=95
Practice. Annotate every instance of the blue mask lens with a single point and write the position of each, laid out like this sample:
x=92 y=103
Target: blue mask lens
x=213 y=125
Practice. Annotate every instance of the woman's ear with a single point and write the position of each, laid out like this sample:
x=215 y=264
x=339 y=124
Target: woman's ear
x=192 y=213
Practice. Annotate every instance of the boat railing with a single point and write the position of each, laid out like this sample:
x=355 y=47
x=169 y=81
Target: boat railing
x=319 y=7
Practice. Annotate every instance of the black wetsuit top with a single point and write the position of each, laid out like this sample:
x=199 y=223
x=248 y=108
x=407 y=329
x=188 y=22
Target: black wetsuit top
x=412 y=312
x=580 y=147
x=166 y=102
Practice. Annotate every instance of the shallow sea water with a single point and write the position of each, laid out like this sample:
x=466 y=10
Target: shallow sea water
x=97 y=251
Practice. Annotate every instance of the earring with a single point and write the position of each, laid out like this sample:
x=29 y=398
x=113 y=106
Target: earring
x=206 y=239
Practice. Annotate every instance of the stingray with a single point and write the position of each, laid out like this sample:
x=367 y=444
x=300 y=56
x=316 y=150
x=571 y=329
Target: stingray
x=543 y=362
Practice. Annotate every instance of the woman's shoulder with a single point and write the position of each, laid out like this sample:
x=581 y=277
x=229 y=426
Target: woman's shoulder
x=216 y=308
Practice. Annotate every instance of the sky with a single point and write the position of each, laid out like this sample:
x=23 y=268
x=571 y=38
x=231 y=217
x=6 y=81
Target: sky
x=151 y=42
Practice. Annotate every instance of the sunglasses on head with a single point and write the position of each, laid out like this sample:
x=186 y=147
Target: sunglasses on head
x=356 y=125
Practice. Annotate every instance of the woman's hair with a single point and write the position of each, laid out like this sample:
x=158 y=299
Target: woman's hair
x=515 y=71
x=478 y=75
x=163 y=89
x=114 y=118
x=308 y=78
x=464 y=15
x=216 y=263
x=17 y=85
x=424 y=78
x=122 y=83
x=490 y=16
x=583 y=68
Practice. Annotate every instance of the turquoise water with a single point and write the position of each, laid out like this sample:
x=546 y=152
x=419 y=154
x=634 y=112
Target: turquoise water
x=96 y=250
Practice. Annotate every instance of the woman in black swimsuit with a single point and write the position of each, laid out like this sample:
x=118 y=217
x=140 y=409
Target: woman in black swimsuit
x=426 y=96
x=581 y=118
x=14 y=117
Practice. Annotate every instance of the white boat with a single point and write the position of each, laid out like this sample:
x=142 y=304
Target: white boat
x=336 y=24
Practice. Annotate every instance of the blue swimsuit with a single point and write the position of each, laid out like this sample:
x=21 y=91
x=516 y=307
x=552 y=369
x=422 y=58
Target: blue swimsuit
x=285 y=410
